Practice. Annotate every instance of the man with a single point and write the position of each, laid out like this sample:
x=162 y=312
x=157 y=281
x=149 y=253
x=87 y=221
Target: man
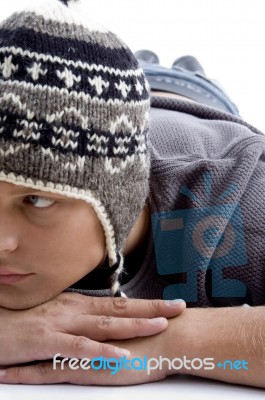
x=118 y=205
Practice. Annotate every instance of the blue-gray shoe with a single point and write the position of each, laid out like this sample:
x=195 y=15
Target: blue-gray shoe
x=189 y=63
x=147 y=56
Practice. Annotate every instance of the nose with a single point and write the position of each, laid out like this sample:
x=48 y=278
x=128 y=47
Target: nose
x=8 y=232
x=7 y=245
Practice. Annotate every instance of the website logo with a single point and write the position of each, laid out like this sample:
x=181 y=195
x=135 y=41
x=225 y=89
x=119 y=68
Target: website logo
x=114 y=365
x=201 y=238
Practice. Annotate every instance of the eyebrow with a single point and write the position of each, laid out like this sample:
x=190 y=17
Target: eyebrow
x=26 y=190
x=21 y=191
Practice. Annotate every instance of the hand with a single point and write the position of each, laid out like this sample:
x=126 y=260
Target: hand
x=43 y=373
x=151 y=346
x=75 y=325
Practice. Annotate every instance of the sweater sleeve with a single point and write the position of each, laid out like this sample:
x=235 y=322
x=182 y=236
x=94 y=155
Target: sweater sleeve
x=208 y=187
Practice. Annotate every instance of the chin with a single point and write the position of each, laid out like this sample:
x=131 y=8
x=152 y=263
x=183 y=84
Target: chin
x=20 y=304
x=15 y=306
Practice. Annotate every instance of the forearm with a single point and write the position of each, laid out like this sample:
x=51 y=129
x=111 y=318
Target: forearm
x=229 y=333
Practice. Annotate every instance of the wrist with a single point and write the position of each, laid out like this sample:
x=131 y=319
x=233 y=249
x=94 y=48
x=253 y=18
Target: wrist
x=180 y=342
x=195 y=339
x=218 y=342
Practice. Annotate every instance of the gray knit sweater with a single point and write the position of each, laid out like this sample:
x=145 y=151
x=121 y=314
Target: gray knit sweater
x=206 y=242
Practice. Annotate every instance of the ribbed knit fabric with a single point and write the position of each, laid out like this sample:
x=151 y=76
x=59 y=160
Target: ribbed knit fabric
x=74 y=107
x=206 y=242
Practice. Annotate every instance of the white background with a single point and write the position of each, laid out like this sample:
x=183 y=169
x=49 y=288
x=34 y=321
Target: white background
x=172 y=388
x=227 y=36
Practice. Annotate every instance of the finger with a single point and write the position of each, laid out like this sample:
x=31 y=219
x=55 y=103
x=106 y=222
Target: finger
x=102 y=328
x=122 y=307
x=39 y=373
x=138 y=308
x=65 y=345
x=44 y=373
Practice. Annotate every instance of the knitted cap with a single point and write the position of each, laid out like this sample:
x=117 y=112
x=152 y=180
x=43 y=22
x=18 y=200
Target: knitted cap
x=74 y=108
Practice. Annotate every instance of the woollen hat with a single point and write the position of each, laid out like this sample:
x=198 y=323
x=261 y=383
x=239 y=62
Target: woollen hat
x=74 y=108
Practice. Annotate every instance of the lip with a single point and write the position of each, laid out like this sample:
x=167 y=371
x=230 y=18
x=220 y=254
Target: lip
x=7 y=277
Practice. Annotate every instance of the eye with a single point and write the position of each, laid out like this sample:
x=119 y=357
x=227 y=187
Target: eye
x=40 y=202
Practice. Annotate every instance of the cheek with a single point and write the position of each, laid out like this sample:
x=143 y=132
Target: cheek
x=84 y=239
x=70 y=250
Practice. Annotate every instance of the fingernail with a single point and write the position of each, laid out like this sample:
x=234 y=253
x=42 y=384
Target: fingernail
x=173 y=303
x=157 y=321
x=2 y=372
x=122 y=352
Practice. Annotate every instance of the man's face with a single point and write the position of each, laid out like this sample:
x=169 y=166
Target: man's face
x=50 y=239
